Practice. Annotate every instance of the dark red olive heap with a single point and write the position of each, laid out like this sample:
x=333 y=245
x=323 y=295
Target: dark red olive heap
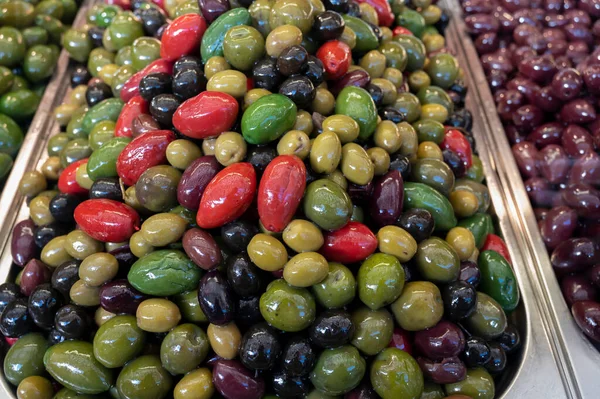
x=542 y=62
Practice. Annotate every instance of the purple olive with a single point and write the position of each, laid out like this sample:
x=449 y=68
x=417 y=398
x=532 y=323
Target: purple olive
x=546 y=100
x=497 y=80
x=514 y=135
x=486 y=43
x=587 y=317
x=202 y=248
x=553 y=163
x=505 y=19
x=212 y=9
x=583 y=198
x=216 y=298
x=591 y=77
x=22 y=245
x=539 y=69
x=557 y=47
x=386 y=201
x=593 y=274
x=567 y=84
x=578 y=111
x=496 y=60
x=558 y=226
x=234 y=381
x=477 y=7
x=574 y=255
x=581 y=32
x=469 y=273
x=195 y=179
x=363 y=391
x=358 y=78
x=445 y=371
x=577 y=288
x=522 y=53
x=508 y=103
x=576 y=140
x=524 y=86
x=445 y=339
x=539 y=191
x=555 y=20
x=481 y=23
x=553 y=34
x=35 y=273
x=586 y=169
x=578 y=17
x=119 y=296
x=522 y=32
x=577 y=51
x=592 y=7
x=362 y=194
x=526 y=156
x=548 y=133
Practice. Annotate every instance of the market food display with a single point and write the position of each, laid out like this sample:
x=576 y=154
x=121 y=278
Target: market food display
x=271 y=199
x=542 y=66
x=30 y=38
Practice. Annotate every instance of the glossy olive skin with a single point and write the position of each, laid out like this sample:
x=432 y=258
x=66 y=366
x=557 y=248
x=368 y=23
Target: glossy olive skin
x=394 y=373
x=339 y=370
x=119 y=296
x=118 y=341
x=260 y=348
x=331 y=329
x=72 y=321
x=43 y=303
x=287 y=308
x=460 y=300
x=144 y=378
x=244 y=277
x=237 y=235
x=183 y=349
x=216 y=298
x=15 y=319
x=373 y=330
x=25 y=358
x=488 y=320
x=298 y=357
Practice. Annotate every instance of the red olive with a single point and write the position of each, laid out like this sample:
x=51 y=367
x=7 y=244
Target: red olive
x=107 y=220
x=134 y=108
x=182 y=36
x=208 y=114
x=352 y=243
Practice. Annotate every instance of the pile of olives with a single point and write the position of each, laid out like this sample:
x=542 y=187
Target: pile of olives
x=543 y=66
x=259 y=200
x=30 y=38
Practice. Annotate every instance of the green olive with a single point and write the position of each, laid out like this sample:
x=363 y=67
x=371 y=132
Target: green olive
x=230 y=148
x=181 y=153
x=395 y=374
x=306 y=269
x=32 y=183
x=98 y=268
x=184 y=348
x=190 y=307
x=294 y=142
x=374 y=63
x=380 y=159
x=337 y=289
x=346 y=128
x=324 y=102
x=144 y=50
x=388 y=89
x=80 y=245
x=338 y=177
x=435 y=173
x=398 y=242
x=479 y=384
x=196 y=384
x=74 y=151
x=437 y=261
x=254 y=95
x=325 y=153
x=327 y=204
x=157 y=315
x=462 y=241
x=387 y=136
x=144 y=378
x=373 y=330
x=35 y=387
x=118 y=341
x=287 y=308
x=214 y=65
x=489 y=320
x=303 y=122
x=51 y=168
x=163 y=229
x=243 y=46
x=419 y=307
x=380 y=280
x=231 y=82
x=267 y=252
x=464 y=203
x=13 y=46
x=290 y=12
x=338 y=370
x=39 y=210
x=84 y=295
x=302 y=236
x=54 y=253
x=408 y=104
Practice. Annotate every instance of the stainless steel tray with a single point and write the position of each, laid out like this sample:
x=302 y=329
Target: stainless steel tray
x=535 y=374
x=578 y=359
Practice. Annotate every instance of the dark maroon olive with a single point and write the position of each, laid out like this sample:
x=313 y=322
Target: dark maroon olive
x=498 y=361
x=22 y=245
x=557 y=47
x=360 y=195
x=445 y=371
x=510 y=340
x=194 y=180
x=260 y=348
x=537 y=42
x=553 y=163
x=460 y=300
x=558 y=226
x=8 y=293
x=525 y=16
x=244 y=277
x=587 y=317
x=514 y=135
x=586 y=169
x=496 y=60
x=506 y=21
x=554 y=20
x=477 y=7
x=202 y=248
x=233 y=380
x=539 y=191
x=469 y=273
x=522 y=53
x=580 y=32
x=578 y=17
x=481 y=23
x=212 y=9
x=578 y=111
x=526 y=156
x=65 y=275
x=292 y=60
x=445 y=339
x=522 y=32
x=125 y=258
x=328 y=25
x=539 y=69
x=524 y=86
x=35 y=273
x=591 y=77
x=577 y=51
x=576 y=140
x=216 y=298
x=486 y=43
x=583 y=198
x=574 y=255
x=592 y=7
x=540 y=214
x=553 y=34
x=387 y=198
x=143 y=123
x=546 y=101
x=527 y=118
x=358 y=78
x=548 y=133
x=577 y=288
x=593 y=275
x=567 y=84
x=497 y=80
x=363 y=391
x=508 y=103
x=119 y=296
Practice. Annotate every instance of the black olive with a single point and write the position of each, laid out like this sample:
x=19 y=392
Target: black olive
x=510 y=340
x=43 y=304
x=8 y=293
x=187 y=62
x=469 y=273
x=72 y=321
x=188 y=83
x=95 y=34
x=298 y=357
x=244 y=277
x=340 y=6
x=460 y=300
x=97 y=93
x=292 y=60
x=43 y=234
x=360 y=195
x=331 y=329
x=162 y=108
x=477 y=352
x=15 y=319
x=65 y=275
x=461 y=118
x=62 y=207
x=152 y=20
x=311 y=175
x=160 y=31
x=154 y=84
x=315 y=70
x=260 y=347
x=497 y=362
x=353 y=9
x=328 y=25
x=443 y=22
x=80 y=76
x=286 y=386
x=107 y=188
x=418 y=223
x=248 y=313
x=56 y=337
x=125 y=258
x=299 y=89
x=455 y=163
x=237 y=235
x=266 y=75
x=376 y=93
x=391 y=114
x=260 y=157
x=216 y=298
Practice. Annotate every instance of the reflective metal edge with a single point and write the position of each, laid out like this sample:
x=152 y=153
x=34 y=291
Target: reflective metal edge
x=31 y=156
x=578 y=359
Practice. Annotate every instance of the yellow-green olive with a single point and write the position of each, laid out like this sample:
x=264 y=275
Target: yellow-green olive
x=107 y=73
x=386 y=34
x=181 y=153
x=231 y=82
x=325 y=152
x=291 y=12
x=349 y=37
x=303 y=122
x=208 y=146
x=54 y=253
x=429 y=149
x=436 y=112
x=64 y=112
x=395 y=76
x=419 y=306
x=306 y=269
x=80 y=245
x=77 y=95
x=84 y=295
x=417 y=80
x=388 y=89
x=368 y=14
x=396 y=241
x=387 y=136
x=346 y=128
x=51 y=168
x=267 y=252
x=196 y=384
x=35 y=387
x=294 y=142
x=138 y=245
x=253 y=95
x=464 y=203
x=98 y=268
x=282 y=37
x=32 y=183
x=338 y=177
x=324 y=101
x=163 y=229
x=225 y=340
x=130 y=199
x=230 y=148
x=101 y=316
x=81 y=176
x=380 y=159
x=356 y=164
x=374 y=63
x=157 y=315
x=39 y=210
x=462 y=241
x=410 y=140
x=215 y=65
x=303 y=236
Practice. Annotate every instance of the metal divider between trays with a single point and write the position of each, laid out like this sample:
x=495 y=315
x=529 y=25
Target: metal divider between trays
x=578 y=359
